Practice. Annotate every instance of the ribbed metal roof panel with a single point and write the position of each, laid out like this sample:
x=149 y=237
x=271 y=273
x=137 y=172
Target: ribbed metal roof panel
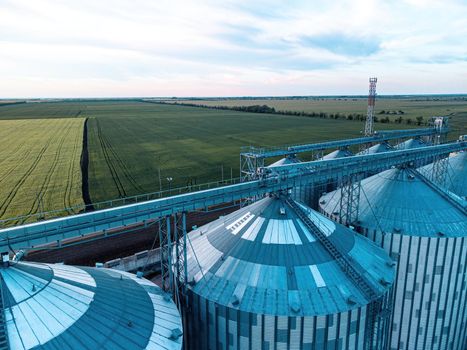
x=285 y=273
x=456 y=179
x=52 y=306
x=411 y=143
x=340 y=153
x=285 y=161
x=378 y=148
x=398 y=201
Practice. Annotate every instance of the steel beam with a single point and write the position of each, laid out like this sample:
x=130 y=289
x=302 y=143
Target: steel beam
x=165 y=239
x=384 y=135
x=271 y=180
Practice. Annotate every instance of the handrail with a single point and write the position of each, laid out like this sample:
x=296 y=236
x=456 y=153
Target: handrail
x=380 y=136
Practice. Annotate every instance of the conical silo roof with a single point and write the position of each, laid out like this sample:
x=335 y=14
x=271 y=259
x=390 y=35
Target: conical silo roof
x=340 y=153
x=285 y=161
x=456 y=177
x=411 y=143
x=378 y=148
x=400 y=201
x=53 y=306
x=264 y=259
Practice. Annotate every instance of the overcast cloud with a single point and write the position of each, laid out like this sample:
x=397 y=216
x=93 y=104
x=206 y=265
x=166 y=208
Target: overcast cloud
x=103 y=48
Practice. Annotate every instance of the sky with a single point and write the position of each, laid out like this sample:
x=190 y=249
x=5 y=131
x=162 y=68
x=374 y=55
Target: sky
x=123 y=48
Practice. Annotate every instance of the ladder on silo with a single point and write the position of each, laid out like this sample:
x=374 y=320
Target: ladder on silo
x=349 y=268
x=4 y=343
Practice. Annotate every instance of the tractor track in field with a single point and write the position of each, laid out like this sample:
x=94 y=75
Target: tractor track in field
x=110 y=165
x=109 y=154
x=19 y=160
x=12 y=194
x=123 y=167
x=51 y=172
x=19 y=164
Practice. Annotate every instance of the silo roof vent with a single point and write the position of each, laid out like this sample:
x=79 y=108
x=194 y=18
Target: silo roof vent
x=383 y=282
x=295 y=307
x=235 y=300
x=175 y=333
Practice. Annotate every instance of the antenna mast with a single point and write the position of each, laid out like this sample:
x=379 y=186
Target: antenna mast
x=371 y=108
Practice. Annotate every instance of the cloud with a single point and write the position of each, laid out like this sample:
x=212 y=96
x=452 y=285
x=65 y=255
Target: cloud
x=232 y=47
x=343 y=44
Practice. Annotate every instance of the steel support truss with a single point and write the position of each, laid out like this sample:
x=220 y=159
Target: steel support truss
x=174 y=254
x=165 y=240
x=440 y=170
x=249 y=164
x=350 y=199
x=180 y=258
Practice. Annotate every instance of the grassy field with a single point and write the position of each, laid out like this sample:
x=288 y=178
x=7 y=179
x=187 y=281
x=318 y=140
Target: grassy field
x=412 y=107
x=39 y=165
x=130 y=142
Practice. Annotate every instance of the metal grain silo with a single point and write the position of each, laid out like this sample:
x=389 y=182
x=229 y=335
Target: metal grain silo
x=426 y=232
x=411 y=143
x=378 y=148
x=340 y=153
x=267 y=277
x=456 y=175
x=53 y=306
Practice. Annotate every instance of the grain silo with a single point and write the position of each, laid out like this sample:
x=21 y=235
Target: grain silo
x=426 y=233
x=285 y=161
x=378 y=148
x=456 y=175
x=53 y=306
x=411 y=143
x=267 y=277
x=340 y=153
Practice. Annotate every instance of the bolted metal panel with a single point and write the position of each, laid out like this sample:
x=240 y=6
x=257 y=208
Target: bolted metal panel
x=248 y=331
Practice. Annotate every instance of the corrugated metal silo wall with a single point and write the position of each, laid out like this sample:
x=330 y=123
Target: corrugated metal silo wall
x=310 y=193
x=216 y=327
x=430 y=293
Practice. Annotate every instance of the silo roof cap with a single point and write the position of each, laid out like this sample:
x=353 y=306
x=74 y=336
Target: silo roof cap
x=48 y=306
x=399 y=201
x=262 y=261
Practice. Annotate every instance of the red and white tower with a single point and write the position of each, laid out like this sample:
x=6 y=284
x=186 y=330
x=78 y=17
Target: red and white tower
x=371 y=108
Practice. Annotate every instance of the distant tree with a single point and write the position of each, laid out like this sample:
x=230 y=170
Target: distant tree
x=385 y=120
x=382 y=112
x=408 y=121
x=398 y=120
x=419 y=120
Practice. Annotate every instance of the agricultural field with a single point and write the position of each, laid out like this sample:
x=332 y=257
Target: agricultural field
x=412 y=107
x=131 y=142
x=40 y=166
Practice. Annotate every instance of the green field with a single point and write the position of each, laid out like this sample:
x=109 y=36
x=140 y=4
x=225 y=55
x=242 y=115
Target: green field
x=128 y=145
x=130 y=142
x=39 y=165
x=412 y=107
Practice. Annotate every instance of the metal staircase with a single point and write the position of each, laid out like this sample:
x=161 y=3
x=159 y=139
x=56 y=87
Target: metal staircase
x=353 y=270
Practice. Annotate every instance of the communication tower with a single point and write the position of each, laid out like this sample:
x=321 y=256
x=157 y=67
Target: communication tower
x=371 y=108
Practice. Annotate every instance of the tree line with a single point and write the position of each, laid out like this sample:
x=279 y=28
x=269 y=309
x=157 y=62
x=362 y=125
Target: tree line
x=342 y=116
